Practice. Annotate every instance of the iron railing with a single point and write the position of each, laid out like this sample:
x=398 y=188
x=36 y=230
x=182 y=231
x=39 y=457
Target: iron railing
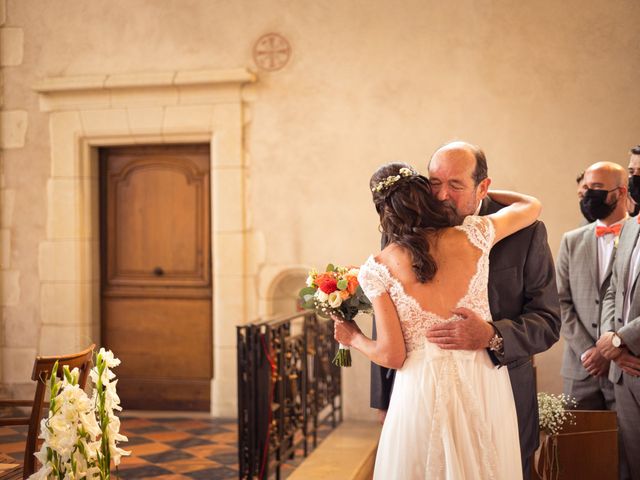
x=287 y=388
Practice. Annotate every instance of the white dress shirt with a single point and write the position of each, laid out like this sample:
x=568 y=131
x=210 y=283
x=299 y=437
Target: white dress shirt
x=606 y=244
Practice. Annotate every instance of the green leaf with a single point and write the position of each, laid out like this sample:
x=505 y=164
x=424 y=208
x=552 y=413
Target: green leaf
x=330 y=268
x=307 y=291
x=342 y=284
x=309 y=305
x=67 y=374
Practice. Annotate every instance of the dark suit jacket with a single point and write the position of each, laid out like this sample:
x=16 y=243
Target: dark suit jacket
x=524 y=306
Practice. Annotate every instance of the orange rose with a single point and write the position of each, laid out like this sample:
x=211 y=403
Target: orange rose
x=344 y=294
x=352 y=285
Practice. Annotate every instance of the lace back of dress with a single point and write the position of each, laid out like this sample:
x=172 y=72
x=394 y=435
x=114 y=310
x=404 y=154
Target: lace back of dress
x=376 y=279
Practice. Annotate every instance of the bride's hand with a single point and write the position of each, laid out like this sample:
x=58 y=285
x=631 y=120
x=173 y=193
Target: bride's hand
x=345 y=332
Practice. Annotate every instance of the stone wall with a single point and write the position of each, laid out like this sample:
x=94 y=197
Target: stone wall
x=19 y=329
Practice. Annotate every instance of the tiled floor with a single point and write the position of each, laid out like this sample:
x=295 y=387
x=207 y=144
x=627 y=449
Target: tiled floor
x=169 y=448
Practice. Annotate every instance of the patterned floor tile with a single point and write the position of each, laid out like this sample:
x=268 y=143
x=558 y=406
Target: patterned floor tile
x=146 y=471
x=173 y=476
x=191 y=465
x=168 y=436
x=170 y=448
x=190 y=442
x=167 y=456
x=149 y=448
x=213 y=474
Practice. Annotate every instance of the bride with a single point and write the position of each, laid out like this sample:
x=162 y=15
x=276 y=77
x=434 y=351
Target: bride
x=452 y=414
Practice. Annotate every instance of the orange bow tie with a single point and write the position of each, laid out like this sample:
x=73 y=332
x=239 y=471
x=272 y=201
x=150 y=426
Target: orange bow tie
x=613 y=229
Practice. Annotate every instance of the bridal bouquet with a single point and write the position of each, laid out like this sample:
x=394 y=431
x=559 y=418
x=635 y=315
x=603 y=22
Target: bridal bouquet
x=335 y=291
x=81 y=433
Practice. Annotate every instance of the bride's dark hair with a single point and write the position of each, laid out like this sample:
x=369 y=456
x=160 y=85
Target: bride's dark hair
x=408 y=212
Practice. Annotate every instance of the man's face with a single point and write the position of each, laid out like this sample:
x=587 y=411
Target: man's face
x=451 y=176
x=603 y=180
x=634 y=165
x=581 y=188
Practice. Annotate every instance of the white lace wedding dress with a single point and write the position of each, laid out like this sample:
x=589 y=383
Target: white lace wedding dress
x=452 y=414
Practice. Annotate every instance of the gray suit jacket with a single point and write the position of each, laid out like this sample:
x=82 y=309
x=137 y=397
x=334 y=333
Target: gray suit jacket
x=614 y=298
x=524 y=306
x=580 y=295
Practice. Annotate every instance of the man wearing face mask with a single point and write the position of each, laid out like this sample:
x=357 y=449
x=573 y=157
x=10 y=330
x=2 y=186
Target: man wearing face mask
x=583 y=274
x=620 y=338
x=634 y=181
x=581 y=188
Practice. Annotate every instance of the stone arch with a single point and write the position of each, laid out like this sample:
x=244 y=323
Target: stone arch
x=282 y=292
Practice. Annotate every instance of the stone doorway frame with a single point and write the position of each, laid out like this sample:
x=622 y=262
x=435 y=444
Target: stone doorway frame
x=86 y=113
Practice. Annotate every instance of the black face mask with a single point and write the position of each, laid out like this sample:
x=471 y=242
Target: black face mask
x=586 y=214
x=634 y=192
x=594 y=204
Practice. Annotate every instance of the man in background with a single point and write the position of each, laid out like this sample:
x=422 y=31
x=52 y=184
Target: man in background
x=583 y=276
x=620 y=338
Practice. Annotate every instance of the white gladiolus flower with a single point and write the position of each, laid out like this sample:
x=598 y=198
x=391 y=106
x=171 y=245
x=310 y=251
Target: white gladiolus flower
x=109 y=358
x=309 y=281
x=74 y=430
x=335 y=300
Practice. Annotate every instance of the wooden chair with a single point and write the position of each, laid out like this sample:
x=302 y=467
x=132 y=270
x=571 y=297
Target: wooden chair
x=41 y=374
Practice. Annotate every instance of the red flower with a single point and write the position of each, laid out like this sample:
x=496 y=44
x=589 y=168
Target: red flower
x=327 y=283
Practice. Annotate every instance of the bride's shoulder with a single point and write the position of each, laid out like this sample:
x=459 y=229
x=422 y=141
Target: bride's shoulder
x=479 y=229
x=392 y=256
x=373 y=277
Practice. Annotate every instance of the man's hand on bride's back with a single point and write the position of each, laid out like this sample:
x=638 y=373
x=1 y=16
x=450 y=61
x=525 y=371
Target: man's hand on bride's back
x=471 y=332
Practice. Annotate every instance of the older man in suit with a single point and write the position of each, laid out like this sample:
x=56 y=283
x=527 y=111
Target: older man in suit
x=522 y=293
x=620 y=340
x=583 y=275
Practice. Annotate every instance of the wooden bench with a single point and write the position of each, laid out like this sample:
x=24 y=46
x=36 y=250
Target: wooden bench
x=587 y=450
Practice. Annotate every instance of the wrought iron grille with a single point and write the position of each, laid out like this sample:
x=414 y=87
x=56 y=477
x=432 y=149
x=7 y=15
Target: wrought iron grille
x=287 y=387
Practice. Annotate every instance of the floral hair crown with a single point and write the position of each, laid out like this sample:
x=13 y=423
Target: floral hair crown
x=391 y=179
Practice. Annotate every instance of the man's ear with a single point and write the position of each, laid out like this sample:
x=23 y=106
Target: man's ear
x=483 y=188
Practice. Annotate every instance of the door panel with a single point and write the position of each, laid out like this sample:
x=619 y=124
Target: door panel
x=156 y=274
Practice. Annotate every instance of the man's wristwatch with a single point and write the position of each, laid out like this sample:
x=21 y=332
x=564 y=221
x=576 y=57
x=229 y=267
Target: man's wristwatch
x=496 y=343
x=616 y=341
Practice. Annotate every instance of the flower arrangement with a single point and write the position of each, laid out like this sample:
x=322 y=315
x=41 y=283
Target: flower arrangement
x=554 y=415
x=80 y=433
x=553 y=412
x=335 y=291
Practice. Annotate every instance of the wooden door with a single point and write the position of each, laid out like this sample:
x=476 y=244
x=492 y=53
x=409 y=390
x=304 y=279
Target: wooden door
x=156 y=274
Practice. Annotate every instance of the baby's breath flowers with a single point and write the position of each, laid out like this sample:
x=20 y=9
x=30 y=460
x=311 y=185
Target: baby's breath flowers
x=554 y=413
